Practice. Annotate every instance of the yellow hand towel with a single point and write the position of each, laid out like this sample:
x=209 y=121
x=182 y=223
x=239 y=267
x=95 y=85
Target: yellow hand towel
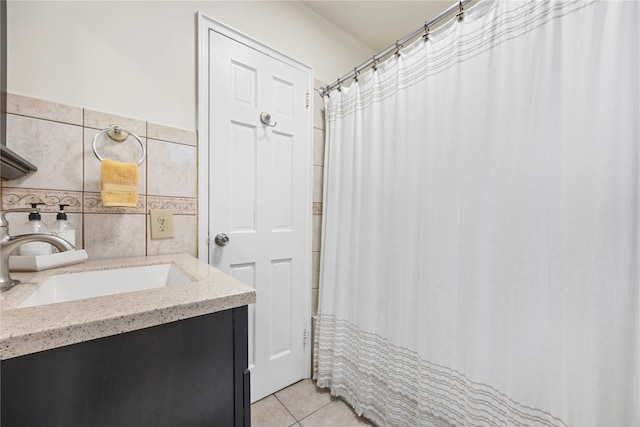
x=119 y=184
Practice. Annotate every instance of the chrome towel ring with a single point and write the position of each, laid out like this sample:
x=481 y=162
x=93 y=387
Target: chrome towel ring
x=118 y=134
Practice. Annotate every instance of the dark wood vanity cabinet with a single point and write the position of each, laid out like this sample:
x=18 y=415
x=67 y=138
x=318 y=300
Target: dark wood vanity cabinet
x=192 y=372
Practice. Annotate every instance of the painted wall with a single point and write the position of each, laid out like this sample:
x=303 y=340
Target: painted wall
x=139 y=58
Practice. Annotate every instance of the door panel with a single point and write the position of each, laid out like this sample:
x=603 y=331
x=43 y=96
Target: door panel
x=260 y=196
x=244 y=84
x=243 y=180
x=281 y=278
x=282 y=178
x=246 y=273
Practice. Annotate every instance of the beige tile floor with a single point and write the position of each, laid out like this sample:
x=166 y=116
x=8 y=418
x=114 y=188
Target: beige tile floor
x=304 y=405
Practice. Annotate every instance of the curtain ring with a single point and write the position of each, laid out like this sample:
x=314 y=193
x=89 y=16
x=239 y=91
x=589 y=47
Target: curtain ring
x=355 y=72
x=339 y=85
x=398 y=46
x=461 y=14
x=426 y=32
x=375 y=63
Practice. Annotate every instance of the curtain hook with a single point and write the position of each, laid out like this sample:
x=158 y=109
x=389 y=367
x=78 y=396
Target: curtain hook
x=398 y=46
x=339 y=85
x=375 y=63
x=461 y=14
x=426 y=31
x=355 y=72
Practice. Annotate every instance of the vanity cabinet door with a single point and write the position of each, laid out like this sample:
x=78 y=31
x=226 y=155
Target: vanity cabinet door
x=184 y=373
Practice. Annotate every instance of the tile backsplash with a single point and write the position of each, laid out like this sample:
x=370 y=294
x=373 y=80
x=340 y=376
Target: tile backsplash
x=57 y=138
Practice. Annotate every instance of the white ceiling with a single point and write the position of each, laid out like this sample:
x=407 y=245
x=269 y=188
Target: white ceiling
x=377 y=24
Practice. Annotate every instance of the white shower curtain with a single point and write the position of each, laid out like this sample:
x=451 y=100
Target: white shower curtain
x=481 y=234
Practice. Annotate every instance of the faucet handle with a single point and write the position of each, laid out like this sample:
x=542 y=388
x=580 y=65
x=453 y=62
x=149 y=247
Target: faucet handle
x=3 y=218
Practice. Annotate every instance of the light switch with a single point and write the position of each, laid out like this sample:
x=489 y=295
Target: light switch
x=161 y=223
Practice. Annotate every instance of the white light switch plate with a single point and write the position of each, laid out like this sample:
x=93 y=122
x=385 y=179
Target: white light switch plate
x=161 y=223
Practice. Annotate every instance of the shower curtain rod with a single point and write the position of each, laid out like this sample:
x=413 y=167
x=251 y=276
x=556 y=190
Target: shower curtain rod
x=458 y=7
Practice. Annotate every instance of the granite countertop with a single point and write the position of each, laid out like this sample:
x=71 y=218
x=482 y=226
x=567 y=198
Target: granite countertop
x=32 y=329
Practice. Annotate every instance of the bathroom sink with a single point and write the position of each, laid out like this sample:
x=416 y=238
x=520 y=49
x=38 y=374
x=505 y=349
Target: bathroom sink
x=90 y=284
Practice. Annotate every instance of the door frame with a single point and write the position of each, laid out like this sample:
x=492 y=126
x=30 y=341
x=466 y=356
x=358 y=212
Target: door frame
x=205 y=25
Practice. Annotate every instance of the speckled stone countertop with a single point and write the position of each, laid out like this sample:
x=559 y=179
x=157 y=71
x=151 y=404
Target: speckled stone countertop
x=32 y=329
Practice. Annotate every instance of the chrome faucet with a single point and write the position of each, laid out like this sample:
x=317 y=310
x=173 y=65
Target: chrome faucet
x=10 y=243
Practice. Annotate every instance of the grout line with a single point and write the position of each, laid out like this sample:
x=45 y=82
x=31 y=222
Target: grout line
x=42 y=118
x=308 y=415
x=285 y=407
x=173 y=142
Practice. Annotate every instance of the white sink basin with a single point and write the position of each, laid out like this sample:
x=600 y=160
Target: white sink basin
x=90 y=284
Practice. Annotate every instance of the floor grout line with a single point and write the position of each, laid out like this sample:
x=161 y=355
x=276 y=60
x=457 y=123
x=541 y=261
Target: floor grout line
x=298 y=421
x=285 y=407
x=308 y=415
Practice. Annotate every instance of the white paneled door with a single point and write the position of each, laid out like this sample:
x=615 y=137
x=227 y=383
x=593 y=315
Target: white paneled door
x=260 y=200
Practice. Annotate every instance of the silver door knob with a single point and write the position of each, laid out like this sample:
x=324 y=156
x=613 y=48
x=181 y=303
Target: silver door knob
x=265 y=118
x=221 y=239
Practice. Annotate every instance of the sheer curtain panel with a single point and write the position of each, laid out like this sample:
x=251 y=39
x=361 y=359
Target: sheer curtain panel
x=481 y=223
